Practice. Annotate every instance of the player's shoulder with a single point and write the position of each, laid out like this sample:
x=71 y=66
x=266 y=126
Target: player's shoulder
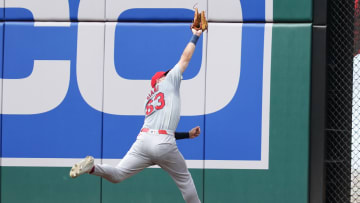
x=175 y=70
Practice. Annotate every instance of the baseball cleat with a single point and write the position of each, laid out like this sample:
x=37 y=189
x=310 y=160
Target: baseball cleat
x=84 y=166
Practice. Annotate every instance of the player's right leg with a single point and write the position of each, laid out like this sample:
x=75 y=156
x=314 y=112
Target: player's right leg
x=174 y=163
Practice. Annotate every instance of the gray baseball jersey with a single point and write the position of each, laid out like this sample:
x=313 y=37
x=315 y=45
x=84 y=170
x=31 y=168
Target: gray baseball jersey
x=162 y=106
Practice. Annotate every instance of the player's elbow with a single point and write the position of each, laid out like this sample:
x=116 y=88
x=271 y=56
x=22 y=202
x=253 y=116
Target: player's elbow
x=183 y=65
x=186 y=57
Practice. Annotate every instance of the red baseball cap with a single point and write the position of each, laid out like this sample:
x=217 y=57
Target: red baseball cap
x=157 y=76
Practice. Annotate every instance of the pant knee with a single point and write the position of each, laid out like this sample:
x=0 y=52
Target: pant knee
x=114 y=179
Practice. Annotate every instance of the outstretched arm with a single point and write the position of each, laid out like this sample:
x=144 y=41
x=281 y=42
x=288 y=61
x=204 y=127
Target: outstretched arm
x=189 y=50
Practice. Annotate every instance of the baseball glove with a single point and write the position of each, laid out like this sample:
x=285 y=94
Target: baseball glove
x=204 y=23
x=199 y=22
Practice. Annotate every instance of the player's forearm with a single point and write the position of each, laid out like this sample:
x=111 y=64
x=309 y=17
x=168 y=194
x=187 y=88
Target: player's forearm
x=182 y=135
x=195 y=132
x=188 y=53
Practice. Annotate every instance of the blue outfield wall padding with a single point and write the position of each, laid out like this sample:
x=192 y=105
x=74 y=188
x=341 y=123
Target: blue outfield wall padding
x=2 y=13
x=253 y=10
x=236 y=129
x=141 y=49
x=1 y=73
x=157 y=14
x=69 y=11
x=237 y=11
x=2 y=29
x=72 y=129
x=74 y=9
x=18 y=14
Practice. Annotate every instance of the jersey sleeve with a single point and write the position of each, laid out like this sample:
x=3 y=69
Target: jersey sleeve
x=174 y=76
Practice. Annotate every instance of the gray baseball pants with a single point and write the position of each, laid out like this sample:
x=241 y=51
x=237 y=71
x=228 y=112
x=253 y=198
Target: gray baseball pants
x=152 y=149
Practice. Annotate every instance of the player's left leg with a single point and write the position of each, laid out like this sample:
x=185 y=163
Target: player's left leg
x=130 y=165
x=174 y=163
x=133 y=162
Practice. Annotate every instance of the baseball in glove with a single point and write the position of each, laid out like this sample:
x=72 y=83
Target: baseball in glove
x=199 y=22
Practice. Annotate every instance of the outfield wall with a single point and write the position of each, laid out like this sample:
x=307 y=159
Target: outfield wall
x=75 y=76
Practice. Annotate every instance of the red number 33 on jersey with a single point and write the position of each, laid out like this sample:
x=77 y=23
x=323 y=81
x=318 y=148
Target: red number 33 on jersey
x=160 y=103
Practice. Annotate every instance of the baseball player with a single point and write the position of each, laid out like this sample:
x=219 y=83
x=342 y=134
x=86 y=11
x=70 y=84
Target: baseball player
x=156 y=143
